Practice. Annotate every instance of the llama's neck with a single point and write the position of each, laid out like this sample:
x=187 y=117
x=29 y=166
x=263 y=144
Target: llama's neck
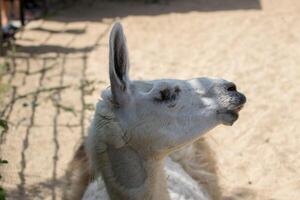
x=128 y=175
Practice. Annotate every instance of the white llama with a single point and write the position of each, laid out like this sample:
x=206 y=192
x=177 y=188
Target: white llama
x=136 y=126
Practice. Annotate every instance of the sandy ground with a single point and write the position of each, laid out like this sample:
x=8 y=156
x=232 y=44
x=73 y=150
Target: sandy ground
x=61 y=65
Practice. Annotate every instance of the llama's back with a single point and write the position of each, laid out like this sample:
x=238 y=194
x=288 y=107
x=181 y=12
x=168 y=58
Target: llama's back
x=198 y=160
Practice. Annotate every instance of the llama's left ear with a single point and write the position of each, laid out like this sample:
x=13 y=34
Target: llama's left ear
x=119 y=66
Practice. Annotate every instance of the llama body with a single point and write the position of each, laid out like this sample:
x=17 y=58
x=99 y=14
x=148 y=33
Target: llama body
x=138 y=124
x=181 y=186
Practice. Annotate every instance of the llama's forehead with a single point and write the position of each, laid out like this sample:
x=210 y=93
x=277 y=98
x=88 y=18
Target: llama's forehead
x=201 y=83
x=205 y=83
x=146 y=86
x=158 y=82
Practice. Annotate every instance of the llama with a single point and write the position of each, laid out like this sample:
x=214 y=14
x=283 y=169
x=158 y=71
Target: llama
x=138 y=124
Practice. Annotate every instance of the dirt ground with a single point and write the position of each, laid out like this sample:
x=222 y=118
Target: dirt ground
x=61 y=64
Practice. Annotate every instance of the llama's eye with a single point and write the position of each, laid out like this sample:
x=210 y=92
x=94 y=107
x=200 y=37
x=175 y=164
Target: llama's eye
x=167 y=95
x=177 y=89
x=164 y=95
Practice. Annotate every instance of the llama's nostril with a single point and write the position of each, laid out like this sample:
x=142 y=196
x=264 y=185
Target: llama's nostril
x=231 y=87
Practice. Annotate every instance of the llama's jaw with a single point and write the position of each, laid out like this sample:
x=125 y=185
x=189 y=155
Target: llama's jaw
x=229 y=116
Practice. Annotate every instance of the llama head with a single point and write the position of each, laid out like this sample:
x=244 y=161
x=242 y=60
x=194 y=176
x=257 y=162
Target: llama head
x=163 y=115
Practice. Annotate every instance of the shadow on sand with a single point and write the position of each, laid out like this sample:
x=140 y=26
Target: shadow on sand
x=111 y=9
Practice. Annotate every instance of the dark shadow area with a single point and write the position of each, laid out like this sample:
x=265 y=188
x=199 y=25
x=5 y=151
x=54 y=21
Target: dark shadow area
x=69 y=31
x=43 y=49
x=111 y=9
x=58 y=49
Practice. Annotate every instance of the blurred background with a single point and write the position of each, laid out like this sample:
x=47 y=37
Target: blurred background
x=54 y=64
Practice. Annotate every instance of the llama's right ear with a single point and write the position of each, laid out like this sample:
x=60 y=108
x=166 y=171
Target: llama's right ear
x=119 y=66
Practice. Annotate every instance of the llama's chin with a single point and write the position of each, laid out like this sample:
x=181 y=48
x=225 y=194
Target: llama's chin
x=228 y=117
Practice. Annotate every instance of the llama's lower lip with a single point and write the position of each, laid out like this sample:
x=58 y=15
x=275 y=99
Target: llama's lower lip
x=237 y=109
